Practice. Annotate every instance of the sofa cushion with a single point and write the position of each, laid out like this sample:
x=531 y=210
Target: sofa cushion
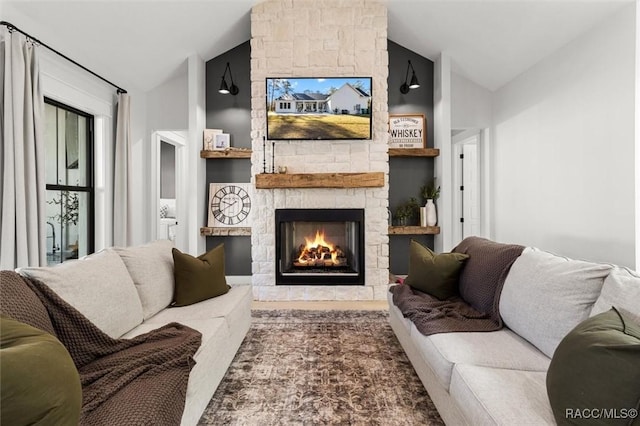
x=19 y=302
x=498 y=396
x=198 y=278
x=545 y=296
x=436 y=274
x=597 y=365
x=484 y=272
x=99 y=286
x=39 y=383
x=151 y=268
x=225 y=306
x=621 y=289
x=500 y=349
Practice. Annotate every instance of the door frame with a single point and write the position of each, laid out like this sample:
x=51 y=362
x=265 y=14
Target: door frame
x=481 y=138
x=178 y=139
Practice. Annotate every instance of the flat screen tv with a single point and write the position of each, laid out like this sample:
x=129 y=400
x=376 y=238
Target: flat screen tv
x=330 y=108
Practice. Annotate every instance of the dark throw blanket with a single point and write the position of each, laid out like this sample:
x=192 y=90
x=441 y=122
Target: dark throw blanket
x=481 y=282
x=139 y=381
x=432 y=316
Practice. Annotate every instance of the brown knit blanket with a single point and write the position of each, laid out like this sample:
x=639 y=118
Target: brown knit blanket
x=480 y=282
x=432 y=316
x=139 y=381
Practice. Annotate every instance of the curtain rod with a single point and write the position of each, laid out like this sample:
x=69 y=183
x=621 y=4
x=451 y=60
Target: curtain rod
x=12 y=27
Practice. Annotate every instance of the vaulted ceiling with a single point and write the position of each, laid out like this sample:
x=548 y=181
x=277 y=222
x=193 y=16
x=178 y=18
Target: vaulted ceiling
x=140 y=44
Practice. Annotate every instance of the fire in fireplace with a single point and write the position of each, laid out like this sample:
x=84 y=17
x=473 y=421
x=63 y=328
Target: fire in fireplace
x=320 y=246
x=317 y=252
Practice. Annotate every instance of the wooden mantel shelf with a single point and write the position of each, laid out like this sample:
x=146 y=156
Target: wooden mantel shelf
x=414 y=152
x=228 y=153
x=414 y=230
x=320 y=180
x=225 y=232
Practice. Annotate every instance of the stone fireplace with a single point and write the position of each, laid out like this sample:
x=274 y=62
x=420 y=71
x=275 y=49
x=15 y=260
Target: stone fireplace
x=319 y=246
x=342 y=38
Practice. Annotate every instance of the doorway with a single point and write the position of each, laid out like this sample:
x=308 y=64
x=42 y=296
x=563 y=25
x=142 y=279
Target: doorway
x=167 y=187
x=469 y=178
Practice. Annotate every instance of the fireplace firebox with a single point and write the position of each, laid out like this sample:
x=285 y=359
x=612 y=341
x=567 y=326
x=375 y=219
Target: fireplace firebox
x=319 y=246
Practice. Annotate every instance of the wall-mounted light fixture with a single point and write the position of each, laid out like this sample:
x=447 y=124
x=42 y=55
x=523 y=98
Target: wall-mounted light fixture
x=224 y=89
x=404 y=89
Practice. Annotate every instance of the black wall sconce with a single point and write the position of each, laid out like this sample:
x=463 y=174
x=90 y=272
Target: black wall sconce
x=224 y=89
x=404 y=89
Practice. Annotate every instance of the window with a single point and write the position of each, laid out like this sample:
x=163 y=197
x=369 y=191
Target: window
x=69 y=210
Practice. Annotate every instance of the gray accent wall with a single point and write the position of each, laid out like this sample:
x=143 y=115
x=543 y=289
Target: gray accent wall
x=408 y=174
x=232 y=114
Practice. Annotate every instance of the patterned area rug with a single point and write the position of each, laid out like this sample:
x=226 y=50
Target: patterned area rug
x=320 y=368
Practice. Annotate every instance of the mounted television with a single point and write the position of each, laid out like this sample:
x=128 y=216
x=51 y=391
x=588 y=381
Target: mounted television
x=330 y=108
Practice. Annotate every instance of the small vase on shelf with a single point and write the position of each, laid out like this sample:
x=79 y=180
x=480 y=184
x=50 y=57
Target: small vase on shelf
x=432 y=217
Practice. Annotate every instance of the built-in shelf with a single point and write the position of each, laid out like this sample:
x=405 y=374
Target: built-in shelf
x=227 y=153
x=414 y=230
x=414 y=152
x=225 y=232
x=320 y=180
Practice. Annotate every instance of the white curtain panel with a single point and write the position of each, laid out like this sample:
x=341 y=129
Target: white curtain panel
x=122 y=214
x=22 y=168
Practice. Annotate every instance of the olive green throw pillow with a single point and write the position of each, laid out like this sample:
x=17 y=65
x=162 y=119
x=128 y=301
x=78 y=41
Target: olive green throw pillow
x=198 y=278
x=435 y=274
x=597 y=367
x=39 y=383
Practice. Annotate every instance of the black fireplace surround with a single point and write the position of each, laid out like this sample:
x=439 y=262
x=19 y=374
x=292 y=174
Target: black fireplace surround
x=338 y=260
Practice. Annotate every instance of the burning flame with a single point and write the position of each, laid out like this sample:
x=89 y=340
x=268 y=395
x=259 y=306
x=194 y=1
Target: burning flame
x=316 y=248
x=318 y=241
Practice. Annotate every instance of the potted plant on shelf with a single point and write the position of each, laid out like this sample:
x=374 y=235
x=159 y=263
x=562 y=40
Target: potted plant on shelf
x=406 y=212
x=430 y=193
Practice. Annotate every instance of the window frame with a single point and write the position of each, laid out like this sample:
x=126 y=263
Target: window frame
x=89 y=189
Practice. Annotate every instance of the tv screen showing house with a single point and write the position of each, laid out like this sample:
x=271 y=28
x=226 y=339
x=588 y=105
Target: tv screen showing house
x=331 y=108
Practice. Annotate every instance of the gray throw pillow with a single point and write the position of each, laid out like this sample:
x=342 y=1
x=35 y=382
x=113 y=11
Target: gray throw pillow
x=545 y=296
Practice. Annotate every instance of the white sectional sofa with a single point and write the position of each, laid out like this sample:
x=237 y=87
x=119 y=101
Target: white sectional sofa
x=127 y=292
x=499 y=377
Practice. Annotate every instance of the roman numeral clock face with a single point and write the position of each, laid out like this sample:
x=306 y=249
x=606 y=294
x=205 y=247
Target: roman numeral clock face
x=230 y=205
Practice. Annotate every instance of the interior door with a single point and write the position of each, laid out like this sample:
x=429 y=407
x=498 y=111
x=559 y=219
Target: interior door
x=467 y=208
x=471 y=191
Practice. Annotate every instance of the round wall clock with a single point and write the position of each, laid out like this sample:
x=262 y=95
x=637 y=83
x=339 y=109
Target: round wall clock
x=229 y=204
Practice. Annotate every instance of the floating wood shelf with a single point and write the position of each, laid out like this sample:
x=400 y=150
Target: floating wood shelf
x=414 y=230
x=227 y=153
x=225 y=232
x=414 y=152
x=320 y=180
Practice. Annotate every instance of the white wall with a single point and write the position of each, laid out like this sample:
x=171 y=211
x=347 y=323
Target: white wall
x=470 y=104
x=162 y=108
x=563 y=148
x=167 y=104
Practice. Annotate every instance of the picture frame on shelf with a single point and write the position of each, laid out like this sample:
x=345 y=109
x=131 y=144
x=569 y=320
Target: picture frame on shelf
x=222 y=141
x=208 y=140
x=407 y=131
